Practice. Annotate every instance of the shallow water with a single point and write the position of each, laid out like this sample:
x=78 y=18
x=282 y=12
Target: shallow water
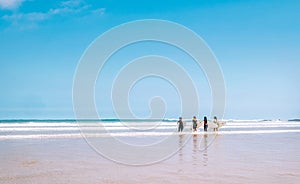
x=241 y=152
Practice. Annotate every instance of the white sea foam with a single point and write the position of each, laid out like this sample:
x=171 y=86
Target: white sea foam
x=36 y=124
x=75 y=128
x=38 y=130
x=139 y=124
x=136 y=134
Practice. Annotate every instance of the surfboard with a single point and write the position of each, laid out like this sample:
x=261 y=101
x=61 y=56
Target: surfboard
x=221 y=123
x=211 y=124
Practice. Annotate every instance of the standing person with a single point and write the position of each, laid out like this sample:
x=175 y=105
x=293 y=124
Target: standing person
x=205 y=124
x=194 y=124
x=216 y=123
x=180 y=124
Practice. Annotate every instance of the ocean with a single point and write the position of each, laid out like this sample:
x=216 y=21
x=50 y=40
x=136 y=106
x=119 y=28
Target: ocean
x=65 y=151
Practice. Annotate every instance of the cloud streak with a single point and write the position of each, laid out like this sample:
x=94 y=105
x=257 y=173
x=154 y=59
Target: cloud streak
x=70 y=7
x=10 y=4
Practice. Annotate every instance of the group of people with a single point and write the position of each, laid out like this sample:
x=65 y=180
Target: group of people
x=181 y=124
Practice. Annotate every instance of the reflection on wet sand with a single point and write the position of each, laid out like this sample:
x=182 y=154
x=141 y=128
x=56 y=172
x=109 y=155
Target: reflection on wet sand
x=195 y=150
x=200 y=148
x=180 y=146
x=204 y=151
x=198 y=144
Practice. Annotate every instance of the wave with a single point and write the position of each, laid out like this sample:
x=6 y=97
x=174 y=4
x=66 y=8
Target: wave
x=138 y=134
x=112 y=120
x=294 y=120
x=137 y=124
x=82 y=120
x=11 y=130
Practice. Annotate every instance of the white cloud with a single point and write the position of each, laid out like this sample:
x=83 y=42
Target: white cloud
x=10 y=4
x=31 y=20
x=25 y=21
x=69 y=7
x=99 y=11
x=34 y=16
x=72 y=3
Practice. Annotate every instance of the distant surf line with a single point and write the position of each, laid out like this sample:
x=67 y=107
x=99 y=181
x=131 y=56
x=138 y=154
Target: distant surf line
x=128 y=124
x=75 y=128
x=144 y=134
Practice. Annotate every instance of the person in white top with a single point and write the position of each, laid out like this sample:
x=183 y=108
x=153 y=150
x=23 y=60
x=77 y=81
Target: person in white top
x=216 y=122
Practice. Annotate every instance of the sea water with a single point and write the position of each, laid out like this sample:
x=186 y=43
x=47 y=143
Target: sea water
x=242 y=151
x=31 y=129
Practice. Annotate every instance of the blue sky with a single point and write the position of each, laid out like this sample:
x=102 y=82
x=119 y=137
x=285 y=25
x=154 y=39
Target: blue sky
x=257 y=44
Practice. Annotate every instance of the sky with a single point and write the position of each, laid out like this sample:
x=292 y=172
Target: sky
x=256 y=42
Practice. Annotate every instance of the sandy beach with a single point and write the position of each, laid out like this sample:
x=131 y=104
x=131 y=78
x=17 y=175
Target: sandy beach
x=229 y=158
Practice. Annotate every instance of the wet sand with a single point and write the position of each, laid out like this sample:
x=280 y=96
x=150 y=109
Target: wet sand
x=234 y=158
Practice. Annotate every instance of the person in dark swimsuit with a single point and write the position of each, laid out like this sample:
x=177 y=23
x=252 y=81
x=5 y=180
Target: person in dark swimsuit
x=205 y=124
x=194 y=124
x=180 y=124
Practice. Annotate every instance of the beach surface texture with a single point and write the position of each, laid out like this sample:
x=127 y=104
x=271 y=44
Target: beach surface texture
x=54 y=151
